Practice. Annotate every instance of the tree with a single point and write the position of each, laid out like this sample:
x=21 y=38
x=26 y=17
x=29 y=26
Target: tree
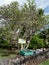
x=32 y=17
x=27 y=18
x=40 y=12
x=45 y=36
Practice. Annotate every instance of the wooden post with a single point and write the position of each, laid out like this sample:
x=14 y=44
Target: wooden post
x=21 y=46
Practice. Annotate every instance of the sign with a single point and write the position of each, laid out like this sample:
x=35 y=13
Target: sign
x=21 y=41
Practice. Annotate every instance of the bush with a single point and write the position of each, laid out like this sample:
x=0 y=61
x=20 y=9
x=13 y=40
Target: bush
x=36 y=42
x=5 y=43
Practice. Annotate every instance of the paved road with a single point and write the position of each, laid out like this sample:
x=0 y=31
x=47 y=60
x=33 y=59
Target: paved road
x=4 y=61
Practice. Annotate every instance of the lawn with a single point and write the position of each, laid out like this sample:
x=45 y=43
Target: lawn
x=4 y=53
x=45 y=63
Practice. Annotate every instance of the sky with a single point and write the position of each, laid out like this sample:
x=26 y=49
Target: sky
x=44 y=4
x=2 y=2
x=40 y=3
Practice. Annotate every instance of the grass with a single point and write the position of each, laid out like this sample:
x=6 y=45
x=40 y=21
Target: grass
x=10 y=56
x=45 y=63
x=4 y=53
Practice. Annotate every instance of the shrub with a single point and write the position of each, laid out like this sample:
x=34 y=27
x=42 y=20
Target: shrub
x=36 y=42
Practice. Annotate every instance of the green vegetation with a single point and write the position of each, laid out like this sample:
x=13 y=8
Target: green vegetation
x=45 y=63
x=22 y=22
x=41 y=40
x=4 y=53
x=36 y=42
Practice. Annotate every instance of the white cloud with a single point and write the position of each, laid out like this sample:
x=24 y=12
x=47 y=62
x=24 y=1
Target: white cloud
x=42 y=3
x=5 y=2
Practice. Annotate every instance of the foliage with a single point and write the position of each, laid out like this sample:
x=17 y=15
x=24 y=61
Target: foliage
x=40 y=12
x=5 y=38
x=25 y=18
x=45 y=36
x=36 y=42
